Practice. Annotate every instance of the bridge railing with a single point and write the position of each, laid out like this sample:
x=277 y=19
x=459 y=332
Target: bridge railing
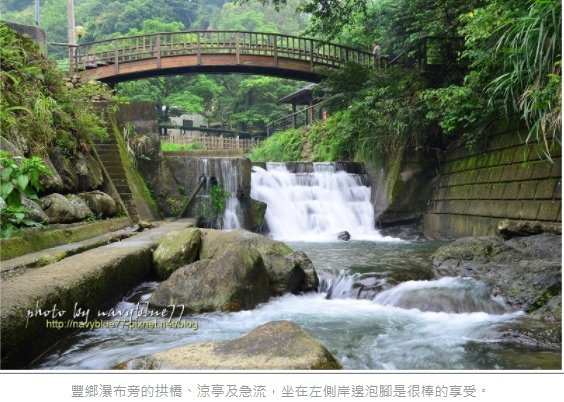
x=300 y=118
x=198 y=43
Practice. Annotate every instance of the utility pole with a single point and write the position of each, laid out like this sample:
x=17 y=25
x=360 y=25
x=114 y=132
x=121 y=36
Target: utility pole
x=37 y=12
x=71 y=33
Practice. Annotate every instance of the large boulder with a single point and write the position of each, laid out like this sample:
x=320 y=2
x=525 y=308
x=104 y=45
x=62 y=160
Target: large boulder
x=88 y=172
x=215 y=241
x=61 y=209
x=9 y=146
x=35 y=213
x=253 y=212
x=508 y=228
x=235 y=280
x=302 y=261
x=64 y=167
x=525 y=271
x=277 y=345
x=101 y=204
x=51 y=181
x=286 y=274
x=283 y=275
x=175 y=250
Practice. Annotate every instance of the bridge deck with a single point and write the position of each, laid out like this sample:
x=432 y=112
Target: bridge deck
x=127 y=58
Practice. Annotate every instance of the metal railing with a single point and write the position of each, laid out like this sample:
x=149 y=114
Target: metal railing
x=213 y=142
x=158 y=45
x=207 y=131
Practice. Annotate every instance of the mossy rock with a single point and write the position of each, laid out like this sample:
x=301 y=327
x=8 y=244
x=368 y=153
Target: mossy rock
x=469 y=249
x=61 y=209
x=277 y=345
x=288 y=271
x=235 y=280
x=215 y=241
x=175 y=250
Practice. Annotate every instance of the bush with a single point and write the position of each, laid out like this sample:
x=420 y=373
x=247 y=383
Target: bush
x=18 y=180
x=332 y=139
x=281 y=147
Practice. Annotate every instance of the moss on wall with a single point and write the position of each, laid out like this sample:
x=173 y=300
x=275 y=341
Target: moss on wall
x=509 y=179
x=146 y=206
x=36 y=239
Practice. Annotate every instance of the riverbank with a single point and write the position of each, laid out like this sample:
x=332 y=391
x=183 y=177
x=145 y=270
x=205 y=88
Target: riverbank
x=92 y=280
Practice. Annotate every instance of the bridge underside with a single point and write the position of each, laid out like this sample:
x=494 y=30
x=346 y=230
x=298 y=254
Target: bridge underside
x=212 y=63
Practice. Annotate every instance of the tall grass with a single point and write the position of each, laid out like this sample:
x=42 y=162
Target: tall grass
x=172 y=147
x=531 y=46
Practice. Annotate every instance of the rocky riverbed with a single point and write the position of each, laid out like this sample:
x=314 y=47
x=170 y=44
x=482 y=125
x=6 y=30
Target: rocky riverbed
x=525 y=271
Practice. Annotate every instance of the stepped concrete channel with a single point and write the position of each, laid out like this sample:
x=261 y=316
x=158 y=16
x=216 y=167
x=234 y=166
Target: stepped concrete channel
x=93 y=280
x=109 y=156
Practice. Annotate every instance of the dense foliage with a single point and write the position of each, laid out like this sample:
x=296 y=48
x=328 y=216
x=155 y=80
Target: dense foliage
x=37 y=109
x=461 y=66
x=458 y=68
x=236 y=102
x=19 y=181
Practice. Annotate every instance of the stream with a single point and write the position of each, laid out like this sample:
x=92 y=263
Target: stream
x=455 y=328
x=378 y=306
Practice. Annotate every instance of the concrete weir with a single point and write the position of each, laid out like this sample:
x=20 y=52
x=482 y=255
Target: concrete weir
x=93 y=280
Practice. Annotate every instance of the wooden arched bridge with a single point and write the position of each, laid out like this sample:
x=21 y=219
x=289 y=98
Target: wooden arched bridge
x=142 y=56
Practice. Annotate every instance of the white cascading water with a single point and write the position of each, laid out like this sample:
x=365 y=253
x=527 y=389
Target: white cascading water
x=225 y=170
x=314 y=206
x=230 y=184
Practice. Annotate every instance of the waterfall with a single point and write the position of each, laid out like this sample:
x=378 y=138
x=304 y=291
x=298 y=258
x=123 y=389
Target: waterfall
x=230 y=181
x=315 y=205
x=225 y=172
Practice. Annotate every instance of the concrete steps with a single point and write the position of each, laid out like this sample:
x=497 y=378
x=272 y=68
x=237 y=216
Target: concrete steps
x=110 y=158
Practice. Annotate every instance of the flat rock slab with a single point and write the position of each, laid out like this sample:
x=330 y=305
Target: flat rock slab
x=94 y=279
x=277 y=345
x=52 y=254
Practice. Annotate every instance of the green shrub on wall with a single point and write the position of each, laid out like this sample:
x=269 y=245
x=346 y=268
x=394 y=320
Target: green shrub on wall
x=281 y=147
x=332 y=139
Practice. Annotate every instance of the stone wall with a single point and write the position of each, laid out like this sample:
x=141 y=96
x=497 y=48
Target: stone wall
x=34 y=33
x=142 y=115
x=507 y=180
x=144 y=141
x=401 y=186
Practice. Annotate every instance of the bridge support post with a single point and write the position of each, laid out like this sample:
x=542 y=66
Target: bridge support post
x=311 y=54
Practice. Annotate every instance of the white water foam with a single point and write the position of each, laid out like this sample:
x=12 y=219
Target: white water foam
x=314 y=206
x=360 y=333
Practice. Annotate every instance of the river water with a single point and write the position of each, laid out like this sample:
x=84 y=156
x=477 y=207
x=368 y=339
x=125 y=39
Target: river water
x=420 y=324
x=378 y=306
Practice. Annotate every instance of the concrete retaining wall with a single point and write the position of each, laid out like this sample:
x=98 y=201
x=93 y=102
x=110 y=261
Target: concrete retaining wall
x=508 y=180
x=93 y=280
